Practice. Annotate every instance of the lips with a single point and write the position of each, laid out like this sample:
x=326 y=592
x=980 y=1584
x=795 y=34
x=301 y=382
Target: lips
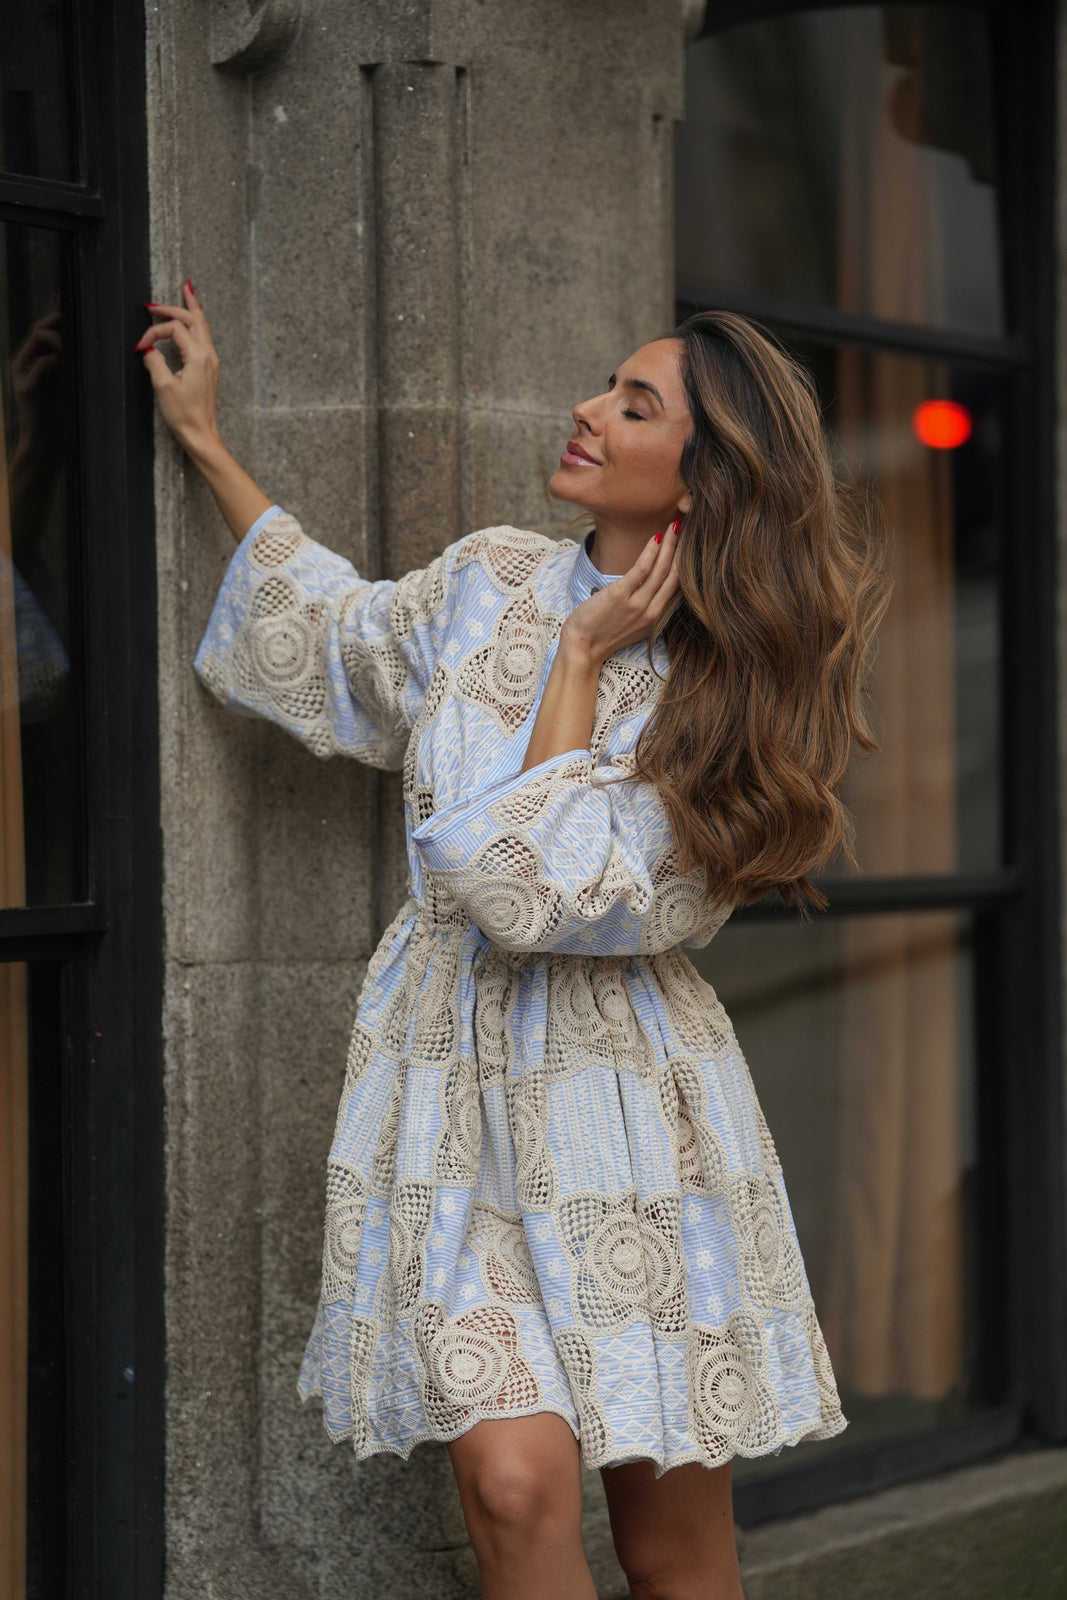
x=575 y=456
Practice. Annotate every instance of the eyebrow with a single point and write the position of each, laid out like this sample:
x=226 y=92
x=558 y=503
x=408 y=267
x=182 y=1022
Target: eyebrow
x=641 y=383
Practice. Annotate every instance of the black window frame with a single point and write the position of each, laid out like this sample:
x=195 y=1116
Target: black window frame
x=1017 y=935
x=109 y=945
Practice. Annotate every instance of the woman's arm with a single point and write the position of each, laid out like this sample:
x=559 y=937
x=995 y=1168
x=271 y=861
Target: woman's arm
x=237 y=496
x=566 y=857
x=621 y=614
x=296 y=634
x=187 y=401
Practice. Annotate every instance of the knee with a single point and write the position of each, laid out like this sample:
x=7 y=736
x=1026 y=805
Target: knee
x=649 y=1576
x=512 y=1504
x=653 y=1574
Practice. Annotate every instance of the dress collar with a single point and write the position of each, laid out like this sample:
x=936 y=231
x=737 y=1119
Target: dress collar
x=585 y=579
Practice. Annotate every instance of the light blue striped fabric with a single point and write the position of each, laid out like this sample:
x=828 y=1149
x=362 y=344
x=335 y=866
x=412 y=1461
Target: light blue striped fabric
x=551 y=1187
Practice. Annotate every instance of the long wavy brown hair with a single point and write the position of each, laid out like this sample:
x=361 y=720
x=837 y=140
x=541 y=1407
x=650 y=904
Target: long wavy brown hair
x=782 y=586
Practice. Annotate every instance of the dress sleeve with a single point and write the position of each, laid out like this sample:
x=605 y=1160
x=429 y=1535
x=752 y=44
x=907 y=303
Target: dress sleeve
x=298 y=637
x=567 y=858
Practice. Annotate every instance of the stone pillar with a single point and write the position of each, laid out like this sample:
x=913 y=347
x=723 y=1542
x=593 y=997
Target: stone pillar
x=422 y=231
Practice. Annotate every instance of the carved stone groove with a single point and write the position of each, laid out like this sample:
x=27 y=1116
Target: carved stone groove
x=693 y=14
x=246 y=36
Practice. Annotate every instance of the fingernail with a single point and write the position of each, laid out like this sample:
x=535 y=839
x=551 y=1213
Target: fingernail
x=675 y=525
x=139 y=347
x=659 y=538
x=189 y=286
x=150 y=305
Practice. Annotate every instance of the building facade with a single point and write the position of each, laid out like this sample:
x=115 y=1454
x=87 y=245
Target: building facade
x=422 y=231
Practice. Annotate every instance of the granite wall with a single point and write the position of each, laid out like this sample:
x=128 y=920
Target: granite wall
x=421 y=231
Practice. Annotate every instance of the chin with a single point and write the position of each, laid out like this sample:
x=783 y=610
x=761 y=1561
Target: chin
x=558 y=487
x=561 y=486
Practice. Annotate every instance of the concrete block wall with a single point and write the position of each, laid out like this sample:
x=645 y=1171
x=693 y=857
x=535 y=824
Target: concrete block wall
x=422 y=230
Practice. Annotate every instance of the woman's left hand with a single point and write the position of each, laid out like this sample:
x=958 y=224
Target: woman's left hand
x=628 y=609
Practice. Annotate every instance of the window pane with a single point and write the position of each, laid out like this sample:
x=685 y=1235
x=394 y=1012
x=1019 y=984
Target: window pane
x=32 y=1325
x=34 y=118
x=845 y=158
x=929 y=800
x=860 y=1036
x=39 y=774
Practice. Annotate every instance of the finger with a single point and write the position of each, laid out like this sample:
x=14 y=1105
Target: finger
x=178 y=332
x=174 y=313
x=657 y=560
x=46 y=341
x=648 y=600
x=667 y=590
x=189 y=295
x=39 y=343
x=666 y=547
x=668 y=539
x=158 y=370
x=657 y=601
x=638 y=574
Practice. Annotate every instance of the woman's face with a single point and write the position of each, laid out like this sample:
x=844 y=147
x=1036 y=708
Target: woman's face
x=624 y=460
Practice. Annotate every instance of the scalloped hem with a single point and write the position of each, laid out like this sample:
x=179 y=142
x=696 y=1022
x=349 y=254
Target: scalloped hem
x=660 y=1463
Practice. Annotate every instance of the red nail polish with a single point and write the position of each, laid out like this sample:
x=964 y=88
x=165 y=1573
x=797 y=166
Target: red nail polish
x=189 y=286
x=659 y=538
x=675 y=525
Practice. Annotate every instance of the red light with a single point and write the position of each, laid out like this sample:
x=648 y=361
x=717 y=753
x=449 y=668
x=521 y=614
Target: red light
x=942 y=424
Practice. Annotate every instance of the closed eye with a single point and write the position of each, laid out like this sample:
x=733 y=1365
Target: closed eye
x=634 y=383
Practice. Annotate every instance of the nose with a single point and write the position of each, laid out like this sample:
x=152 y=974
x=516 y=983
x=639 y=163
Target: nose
x=585 y=414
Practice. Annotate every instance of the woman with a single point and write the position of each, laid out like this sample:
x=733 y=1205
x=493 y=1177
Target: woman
x=556 y=1225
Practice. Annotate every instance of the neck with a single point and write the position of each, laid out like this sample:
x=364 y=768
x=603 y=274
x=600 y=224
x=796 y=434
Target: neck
x=617 y=545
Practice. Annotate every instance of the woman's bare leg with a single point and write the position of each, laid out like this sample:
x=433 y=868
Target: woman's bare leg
x=521 y=1489
x=674 y=1535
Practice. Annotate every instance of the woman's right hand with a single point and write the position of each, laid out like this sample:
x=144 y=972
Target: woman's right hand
x=186 y=397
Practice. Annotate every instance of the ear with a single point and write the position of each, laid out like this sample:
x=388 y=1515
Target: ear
x=684 y=503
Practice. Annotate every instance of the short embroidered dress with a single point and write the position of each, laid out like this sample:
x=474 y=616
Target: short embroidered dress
x=551 y=1187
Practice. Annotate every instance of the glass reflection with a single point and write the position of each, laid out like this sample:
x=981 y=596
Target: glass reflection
x=34 y=122
x=33 y=1270
x=14 y=1265
x=929 y=800
x=860 y=1036
x=844 y=158
x=38 y=773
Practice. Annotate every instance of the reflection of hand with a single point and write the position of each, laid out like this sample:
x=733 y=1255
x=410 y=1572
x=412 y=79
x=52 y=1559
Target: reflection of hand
x=628 y=609
x=186 y=397
x=35 y=380
x=35 y=468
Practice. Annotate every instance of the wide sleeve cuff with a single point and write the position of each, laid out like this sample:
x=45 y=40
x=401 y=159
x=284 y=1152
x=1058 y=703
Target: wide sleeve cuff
x=338 y=661
x=261 y=522
x=441 y=837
